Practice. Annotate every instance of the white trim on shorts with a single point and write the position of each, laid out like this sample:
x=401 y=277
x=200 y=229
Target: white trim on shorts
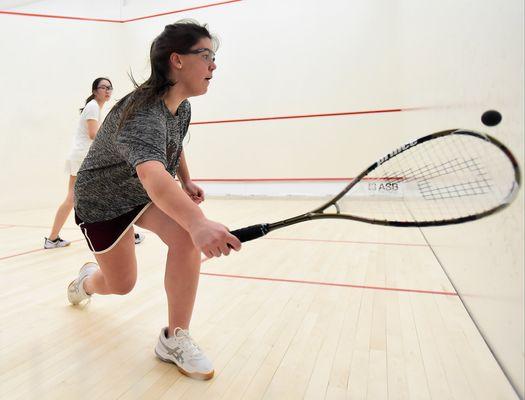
x=123 y=232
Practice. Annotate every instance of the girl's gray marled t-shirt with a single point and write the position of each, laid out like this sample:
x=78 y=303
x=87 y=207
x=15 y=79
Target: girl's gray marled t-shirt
x=107 y=185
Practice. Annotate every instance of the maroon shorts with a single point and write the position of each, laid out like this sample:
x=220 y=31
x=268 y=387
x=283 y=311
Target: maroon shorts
x=104 y=235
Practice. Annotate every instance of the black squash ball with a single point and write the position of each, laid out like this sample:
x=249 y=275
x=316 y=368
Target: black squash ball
x=491 y=118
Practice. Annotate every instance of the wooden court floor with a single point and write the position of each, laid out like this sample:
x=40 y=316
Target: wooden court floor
x=322 y=310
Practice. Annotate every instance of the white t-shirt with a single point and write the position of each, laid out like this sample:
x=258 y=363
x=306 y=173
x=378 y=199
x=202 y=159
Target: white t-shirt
x=81 y=140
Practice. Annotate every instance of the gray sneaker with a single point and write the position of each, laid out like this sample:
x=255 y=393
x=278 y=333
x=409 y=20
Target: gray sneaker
x=75 y=291
x=181 y=350
x=139 y=238
x=53 y=244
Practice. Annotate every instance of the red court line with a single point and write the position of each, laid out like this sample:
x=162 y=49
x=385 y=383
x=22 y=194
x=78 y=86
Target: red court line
x=391 y=110
x=182 y=10
x=265 y=238
x=272 y=179
x=347 y=285
x=393 y=178
x=283 y=280
x=347 y=242
x=118 y=21
x=35 y=226
x=33 y=251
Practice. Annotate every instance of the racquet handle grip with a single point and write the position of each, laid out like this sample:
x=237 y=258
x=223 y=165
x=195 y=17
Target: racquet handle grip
x=251 y=232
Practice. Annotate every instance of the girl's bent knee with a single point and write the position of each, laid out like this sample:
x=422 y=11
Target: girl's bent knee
x=123 y=288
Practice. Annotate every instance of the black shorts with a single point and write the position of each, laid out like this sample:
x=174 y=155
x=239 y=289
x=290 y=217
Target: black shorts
x=104 y=235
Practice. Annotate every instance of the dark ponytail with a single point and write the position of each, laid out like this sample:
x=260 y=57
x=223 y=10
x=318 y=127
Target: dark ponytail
x=94 y=87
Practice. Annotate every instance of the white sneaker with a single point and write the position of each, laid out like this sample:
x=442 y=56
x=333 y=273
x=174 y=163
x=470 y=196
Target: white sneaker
x=181 y=350
x=139 y=237
x=75 y=291
x=53 y=244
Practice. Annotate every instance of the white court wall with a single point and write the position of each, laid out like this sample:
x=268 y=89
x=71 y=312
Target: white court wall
x=454 y=58
x=287 y=58
x=470 y=56
x=47 y=69
x=99 y=9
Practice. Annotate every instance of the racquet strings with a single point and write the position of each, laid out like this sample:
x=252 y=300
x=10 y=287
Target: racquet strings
x=445 y=178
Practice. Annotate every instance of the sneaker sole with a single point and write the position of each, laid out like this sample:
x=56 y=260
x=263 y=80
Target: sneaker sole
x=68 y=290
x=56 y=247
x=194 y=375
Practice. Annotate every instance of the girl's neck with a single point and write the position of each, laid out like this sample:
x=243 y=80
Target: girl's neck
x=173 y=99
x=100 y=103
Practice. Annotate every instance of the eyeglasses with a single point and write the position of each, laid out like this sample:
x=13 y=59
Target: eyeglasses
x=104 y=87
x=207 y=55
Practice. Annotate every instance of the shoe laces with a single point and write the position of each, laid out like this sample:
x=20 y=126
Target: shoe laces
x=187 y=343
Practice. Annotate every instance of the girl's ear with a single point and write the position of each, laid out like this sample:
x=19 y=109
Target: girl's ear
x=175 y=61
